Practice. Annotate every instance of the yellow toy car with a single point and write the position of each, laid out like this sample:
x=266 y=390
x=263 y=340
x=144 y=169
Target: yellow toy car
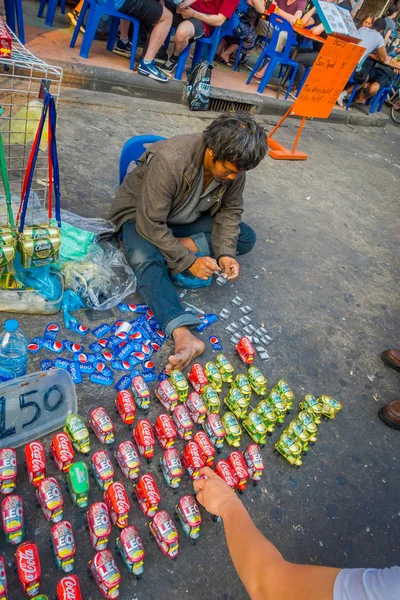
x=180 y=384
x=213 y=375
x=311 y=404
x=285 y=392
x=232 y=428
x=243 y=384
x=329 y=406
x=278 y=405
x=257 y=381
x=225 y=368
x=255 y=428
x=298 y=430
x=236 y=402
x=290 y=449
x=268 y=416
x=307 y=419
x=211 y=399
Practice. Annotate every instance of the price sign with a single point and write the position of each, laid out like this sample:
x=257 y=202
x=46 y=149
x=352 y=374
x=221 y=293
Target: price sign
x=35 y=405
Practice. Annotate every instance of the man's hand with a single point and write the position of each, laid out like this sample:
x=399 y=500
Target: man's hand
x=229 y=266
x=187 y=13
x=183 y=5
x=213 y=493
x=203 y=267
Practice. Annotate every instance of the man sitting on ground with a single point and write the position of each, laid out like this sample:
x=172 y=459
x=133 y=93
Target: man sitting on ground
x=180 y=212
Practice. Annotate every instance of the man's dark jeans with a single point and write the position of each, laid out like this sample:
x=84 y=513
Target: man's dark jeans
x=150 y=267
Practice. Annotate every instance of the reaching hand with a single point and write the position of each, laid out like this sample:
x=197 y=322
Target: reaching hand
x=213 y=493
x=230 y=267
x=204 y=267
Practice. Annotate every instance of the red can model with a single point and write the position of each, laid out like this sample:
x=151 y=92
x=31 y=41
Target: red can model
x=62 y=451
x=196 y=407
x=50 y=498
x=197 y=378
x=28 y=566
x=12 y=510
x=203 y=442
x=126 y=407
x=189 y=515
x=103 y=469
x=68 y=588
x=171 y=467
x=144 y=438
x=8 y=470
x=255 y=462
x=167 y=394
x=99 y=526
x=3 y=580
x=147 y=494
x=35 y=462
x=117 y=503
x=165 y=533
x=64 y=546
x=183 y=422
x=165 y=431
x=105 y=573
x=102 y=425
x=245 y=350
x=223 y=469
x=128 y=459
x=238 y=466
x=193 y=459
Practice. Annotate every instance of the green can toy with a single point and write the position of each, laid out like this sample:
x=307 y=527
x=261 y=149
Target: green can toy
x=267 y=415
x=78 y=433
x=243 y=384
x=285 y=392
x=180 y=384
x=257 y=381
x=255 y=428
x=278 y=405
x=307 y=419
x=78 y=483
x=329 y=406
x=213 y=375
x=311 y=404
x=233 y=431
x=290 y=449
x=236 y=402
x=211 y=399
x=225 y=368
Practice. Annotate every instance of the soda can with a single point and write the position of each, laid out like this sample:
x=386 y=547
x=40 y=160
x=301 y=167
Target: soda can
x=149 y=376
x=101 y=330
x=99 y=345
x=148 y=365
x=85 y=357
x=121 y=365
x=53 y=346
x=47 y=364
x=163 y=375
x=86 y=368
x=115 y=326
x=79 y=328
x=125 y=327
x=35 y=345
x=135 y=373
x=124 y=350
x=74 y=370
x=101 y=367
x=101 y=379
x=122 y=336
x=215 y=343
x=206 y=321
x=147 y=350
x=51 y=332
x=72 y=346
x=62 y=363
x=106 y=355
x=136 y=336
x=135 y=308
x=155 y=345
x=136 y=358
x=123 y=383
x=113 y=342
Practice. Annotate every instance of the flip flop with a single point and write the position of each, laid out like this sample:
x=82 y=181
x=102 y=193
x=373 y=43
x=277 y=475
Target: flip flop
x=223 y=62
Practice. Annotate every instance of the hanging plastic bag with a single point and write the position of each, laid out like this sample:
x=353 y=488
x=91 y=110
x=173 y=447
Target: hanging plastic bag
x=198 y=86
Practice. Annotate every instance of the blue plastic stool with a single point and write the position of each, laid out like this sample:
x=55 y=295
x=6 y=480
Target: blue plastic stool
x=51 y=10
x=353 y=92
x=212 y=43
x=376 y=102
x=96 y=11
x=133 y=150
x=276 y=59
x=13 y=9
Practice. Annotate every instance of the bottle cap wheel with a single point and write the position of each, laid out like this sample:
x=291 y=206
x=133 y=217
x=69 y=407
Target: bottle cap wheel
x=11 y=325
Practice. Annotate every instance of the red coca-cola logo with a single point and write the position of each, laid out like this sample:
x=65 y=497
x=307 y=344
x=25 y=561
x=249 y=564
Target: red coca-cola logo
x=167 y=426
x=146 y=432
x=120 y=498
x=199 y=372
x=27 y=563
x=225 y=472
x=70 y=587
x=127 y=401
x=194 y=452
x=64 y=447
x=246 y=344
x=150 y=489
x=237 y=463
x=37 y=456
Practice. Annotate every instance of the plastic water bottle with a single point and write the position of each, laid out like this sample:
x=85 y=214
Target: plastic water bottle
x=13 y=351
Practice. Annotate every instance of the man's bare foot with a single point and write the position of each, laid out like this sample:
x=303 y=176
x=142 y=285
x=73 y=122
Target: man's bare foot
x=187 y=348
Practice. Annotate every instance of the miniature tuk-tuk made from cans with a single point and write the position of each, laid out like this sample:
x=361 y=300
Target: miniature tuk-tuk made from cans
x=189 y=516
x=215 y=431
x=233 y=431
x=164 y=531
x=49 y=496
x=141 y=392
x=12 y=510
x=78 y=484
x=78 y=433
x=126 y=407
x=278 y=405
x=129 y=546
x=307 y=419
x=106 y=574
x=197 y=378
x=285 y=392
x=99 y=525
x=196 y=408
x=203 y=442
x=257 y=380
x=171 y=467
x=211 y=399
x=223 y=469
x=167 y=395
x=35 y=462
x=290 y=449
x=28 y=567
x=147 y=494
x=255 y=427
x=236 y=402
x=254 y=462
x=68 y=588
x=102 y=425
x=3 y=580
x=329 y=406
x=225 y=368
x=311 y=404
x=165 y=431
x=193 y=459
x=102 y=469
x=8 y=470
x=128 y=459
x=243 y=385
x=64 y=547
x=213 y=375
x=183 y=423
x=245 y=350
x=61 y=451
x=298 y=430
x=117 y=503
x=144 y=438
x=238 y=466
x=267 y=415
x=180 y=384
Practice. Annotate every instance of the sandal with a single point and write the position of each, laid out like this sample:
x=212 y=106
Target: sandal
x=223 y=62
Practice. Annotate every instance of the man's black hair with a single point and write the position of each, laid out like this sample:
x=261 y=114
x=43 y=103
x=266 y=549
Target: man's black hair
x=379 y=24
x=238 y=139
x=391 y=10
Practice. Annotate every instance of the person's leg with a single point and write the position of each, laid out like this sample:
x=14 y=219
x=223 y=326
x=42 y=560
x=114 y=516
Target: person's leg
x=225 y=56
x=305 y=60
x=159 y=34
x=187 y=31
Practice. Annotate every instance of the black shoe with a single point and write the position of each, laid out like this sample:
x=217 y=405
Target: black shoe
x=162 y=55
x=169 y=66
x=123 y=49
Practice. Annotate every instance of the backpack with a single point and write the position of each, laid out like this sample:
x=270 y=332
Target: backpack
x=198 y=86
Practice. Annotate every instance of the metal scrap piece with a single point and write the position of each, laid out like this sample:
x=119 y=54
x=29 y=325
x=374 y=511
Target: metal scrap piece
x=249 y=329
x=225 y=314
x=245 y=309
x=245 y=320
x=232 y=327
x=236 y=301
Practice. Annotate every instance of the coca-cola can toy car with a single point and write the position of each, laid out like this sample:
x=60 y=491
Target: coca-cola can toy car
x=102 y=469
x=223 y=469
x=128 y=459
x=196 y=407
x=64 y=547
x=118 y=504
x=102 y=425
x=254 y=462
x=147 y=494
x=129 y=546
x=99 y=525
x=189 y=516
x=165 y=431
x=245 y=350
x=3 y=580
x=193 y=459
x=183 y=423
x=8 y=470
x=171 y=467
x=61 y=451
x=197 y=378
x=106 y=574
x=126 y=407
x=12 y=511
x=205 y=446
x=50 y=499
x=68 y=588
x=238 y=466
x=35 y=462
x=215 y=430
x=144 y=438
x=164 y=531
x=28 y=568
x=167 y=394
x=141 y=392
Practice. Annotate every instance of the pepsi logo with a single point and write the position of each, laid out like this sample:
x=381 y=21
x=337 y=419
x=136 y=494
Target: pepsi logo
x=82 y=358
x=107 y=355
x=146 y=349
x=150 y=313
x=132 y=307
x=213 y=340
x=83 y=328
x=102 y=343
x=139 y=355
x=121 y=335
x=149 y=364
x=126 y=365
x=136 y=336
x=76 y=347
x=53 y=327
x=155 y=346
x=100 y=367
x=57 y=346
x=33 y=347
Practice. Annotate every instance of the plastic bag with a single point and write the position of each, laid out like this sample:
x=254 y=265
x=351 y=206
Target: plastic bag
x=97 y=226
x=42 y=279
x=102 y=279
x=198 y=86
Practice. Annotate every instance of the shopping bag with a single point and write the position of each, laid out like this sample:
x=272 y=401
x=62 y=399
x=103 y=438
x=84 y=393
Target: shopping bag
x=198 y=86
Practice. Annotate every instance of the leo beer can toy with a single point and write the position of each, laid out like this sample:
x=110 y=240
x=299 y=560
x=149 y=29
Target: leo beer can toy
x=39 y=246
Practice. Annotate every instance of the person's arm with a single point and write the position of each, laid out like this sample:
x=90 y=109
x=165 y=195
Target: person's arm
x=259 y=6
x=308 y=18
x=382 y=55
x=264 y=572
x=288 y=16
x=212 y=20
x=387 y=36
x=318 y=29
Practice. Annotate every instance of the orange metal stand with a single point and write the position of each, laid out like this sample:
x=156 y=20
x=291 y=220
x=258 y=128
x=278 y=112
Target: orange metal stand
x=280 y=152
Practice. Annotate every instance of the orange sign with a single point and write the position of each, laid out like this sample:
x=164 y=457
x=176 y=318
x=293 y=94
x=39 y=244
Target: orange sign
x=327 y=78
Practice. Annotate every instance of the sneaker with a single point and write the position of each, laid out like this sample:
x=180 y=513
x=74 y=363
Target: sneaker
x=169 y=66
x=151 y=70
x=341 y=99
x=123 y=49
x=162 y=55
x=73 y=18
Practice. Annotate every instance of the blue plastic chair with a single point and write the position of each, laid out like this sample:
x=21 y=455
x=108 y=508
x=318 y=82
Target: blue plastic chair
x=51 y=10
x=353 y=92
x=13 y=10
x=212 y=43
x=276 y=59
x=133 y=149
x=96 y=11
x=302 y=82
x=376 y=102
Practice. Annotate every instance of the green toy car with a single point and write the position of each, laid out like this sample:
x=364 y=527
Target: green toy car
x=298 y=430
x=180 y=384
x=211 y=399
x=329 y=406
x=308 y=421
x=255 y=428
x=225 y=368
x=243 y=384
x=78 y=483
x=285 y=393
x=236 y=402
x=311 y=404
x=257 y=381
x=78 y=433
x=290 y=449
x=232 y=428
x=213 y=375
x=278 y=405
x=267 y=415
